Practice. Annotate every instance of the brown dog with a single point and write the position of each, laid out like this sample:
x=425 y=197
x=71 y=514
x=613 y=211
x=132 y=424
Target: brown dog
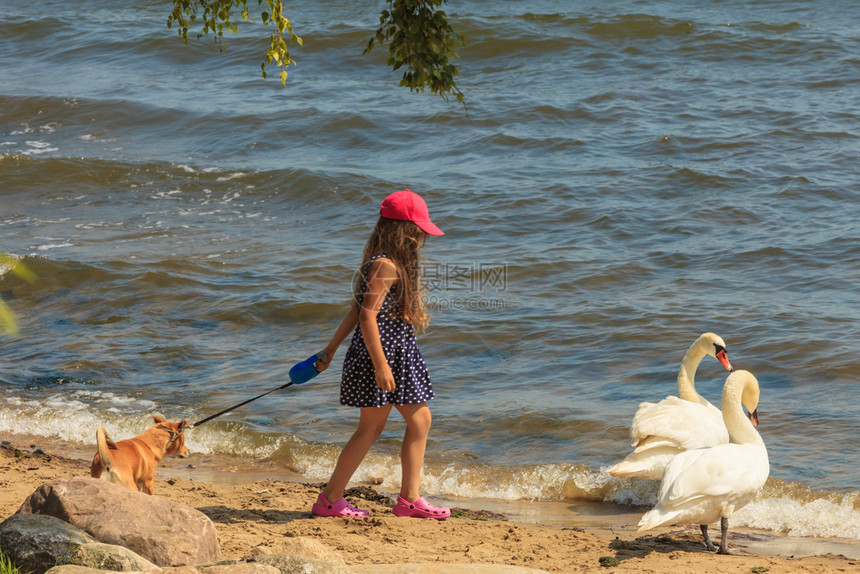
x=132 y=462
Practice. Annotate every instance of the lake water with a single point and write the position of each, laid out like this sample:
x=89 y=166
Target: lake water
x=625 y=176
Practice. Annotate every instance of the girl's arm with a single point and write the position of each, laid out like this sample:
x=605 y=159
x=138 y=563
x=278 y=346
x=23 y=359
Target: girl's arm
x=346 y=327
x=381 y=277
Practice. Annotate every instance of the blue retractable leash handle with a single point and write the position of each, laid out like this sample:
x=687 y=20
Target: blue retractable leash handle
x=299 y=374
x=306 y=370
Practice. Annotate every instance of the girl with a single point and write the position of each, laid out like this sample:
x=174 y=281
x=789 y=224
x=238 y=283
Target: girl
x=383 y=366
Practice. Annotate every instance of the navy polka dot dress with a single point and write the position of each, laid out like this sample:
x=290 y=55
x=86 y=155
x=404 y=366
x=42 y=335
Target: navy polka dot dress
x=358 y=384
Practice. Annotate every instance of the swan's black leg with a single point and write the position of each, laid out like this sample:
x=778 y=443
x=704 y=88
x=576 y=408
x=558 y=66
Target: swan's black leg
x=724 y=526
x=708 y=542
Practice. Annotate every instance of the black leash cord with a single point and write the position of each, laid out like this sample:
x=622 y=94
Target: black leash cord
x=225 y=411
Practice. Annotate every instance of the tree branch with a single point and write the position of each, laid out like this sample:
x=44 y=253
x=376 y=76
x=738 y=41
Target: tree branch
x=418 y=34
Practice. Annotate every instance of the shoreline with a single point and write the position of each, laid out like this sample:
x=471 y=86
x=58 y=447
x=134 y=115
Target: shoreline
x=250 y=510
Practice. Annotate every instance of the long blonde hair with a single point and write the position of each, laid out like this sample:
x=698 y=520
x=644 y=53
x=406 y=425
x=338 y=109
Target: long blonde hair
x=400 y=241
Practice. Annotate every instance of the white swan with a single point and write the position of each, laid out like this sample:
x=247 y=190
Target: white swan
x=661 y=431
x=706 y=484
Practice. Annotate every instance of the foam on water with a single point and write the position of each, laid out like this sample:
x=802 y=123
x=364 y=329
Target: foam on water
x=50 y=246
x=600 y=486
x=231 y=438
x=38 y=147
x=75 y=417
x=819 y=518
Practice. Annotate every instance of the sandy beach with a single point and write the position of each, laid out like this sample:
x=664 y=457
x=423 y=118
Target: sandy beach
x=266 y=512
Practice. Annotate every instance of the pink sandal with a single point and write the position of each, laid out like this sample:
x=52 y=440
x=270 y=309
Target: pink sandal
x=420 y=509
x=339 y=509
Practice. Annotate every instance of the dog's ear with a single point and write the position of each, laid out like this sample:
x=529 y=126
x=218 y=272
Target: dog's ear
x=110 y=443
x=159 y=419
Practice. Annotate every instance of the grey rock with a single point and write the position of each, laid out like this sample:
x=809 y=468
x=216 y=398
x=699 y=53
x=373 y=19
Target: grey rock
x=37 y=543
x=75 y=569
x=109 y=557
x=293 y=564
x=240 y=568
x=227 y=568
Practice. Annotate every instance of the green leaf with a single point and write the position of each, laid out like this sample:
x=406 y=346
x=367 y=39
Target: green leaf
x=420 y=39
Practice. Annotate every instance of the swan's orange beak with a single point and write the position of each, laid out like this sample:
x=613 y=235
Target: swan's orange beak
x=753 y=416
x=723 y=357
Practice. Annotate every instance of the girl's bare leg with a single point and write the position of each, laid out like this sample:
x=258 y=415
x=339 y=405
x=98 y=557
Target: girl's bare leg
x=418 y=421
x=370 y=425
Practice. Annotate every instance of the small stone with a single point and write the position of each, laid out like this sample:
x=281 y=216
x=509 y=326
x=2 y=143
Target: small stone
x=608 y=561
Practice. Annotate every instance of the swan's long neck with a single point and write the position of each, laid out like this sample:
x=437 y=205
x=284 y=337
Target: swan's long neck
x=687 y=375
x=741 y=430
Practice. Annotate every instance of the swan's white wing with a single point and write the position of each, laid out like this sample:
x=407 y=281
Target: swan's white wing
x=660 y=431
x=714 y=410
x=729 y=471
x=674 y=421
x=648 y=465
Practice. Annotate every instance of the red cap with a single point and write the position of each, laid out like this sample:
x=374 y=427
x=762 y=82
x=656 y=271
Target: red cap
x=408 y=206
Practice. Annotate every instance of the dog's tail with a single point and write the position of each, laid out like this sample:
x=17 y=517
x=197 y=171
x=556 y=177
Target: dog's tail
x=103 y=461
